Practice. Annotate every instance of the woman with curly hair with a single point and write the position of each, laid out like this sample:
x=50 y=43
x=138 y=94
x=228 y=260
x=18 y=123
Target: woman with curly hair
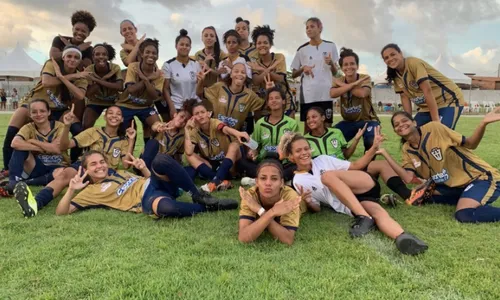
x=104 y=83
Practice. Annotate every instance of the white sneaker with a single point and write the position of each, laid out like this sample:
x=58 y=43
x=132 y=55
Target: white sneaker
x=247 y=181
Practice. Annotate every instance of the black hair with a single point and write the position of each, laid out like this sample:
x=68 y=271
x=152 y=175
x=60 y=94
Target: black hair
x=216 y=45
x=110 y=49
x=271 y=162
x=240 y=19
x=405 y=114
x=319 y=110
x=121 y=132
x=41 y=101
x=87 y=154
x=149 y=42
x=231 y=32
x=83 y=16
x=195 y=105
x=228 y=80
x=275 y=89
x=346 y=52
x=391 y=73
x=264 y=30
x=189 y=105
x=127 y=20
x=182 y=34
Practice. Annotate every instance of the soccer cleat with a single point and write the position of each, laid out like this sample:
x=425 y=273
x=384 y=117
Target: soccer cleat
x=421 y=193
x=389 y=200
x=362 y=225
x=247 y=181
x=214 y=204
x=225 y=185
x=25 y=200
x=410 y=245
x=209 y=187
x=4 y=174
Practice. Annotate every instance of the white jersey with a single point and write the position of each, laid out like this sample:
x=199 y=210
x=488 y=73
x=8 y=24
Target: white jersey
x=312 y=181
x=242 y=59
x=315 y=89
x=182 y=80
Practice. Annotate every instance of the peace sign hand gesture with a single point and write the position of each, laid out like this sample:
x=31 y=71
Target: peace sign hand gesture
x=77 y=183
x=202 y=74
x=268 y=81
x=492 y=117
x=131 y=132
x=306 y=195
x=360 y=133
x=69 y=118
x=378 y=139
x=138 y=163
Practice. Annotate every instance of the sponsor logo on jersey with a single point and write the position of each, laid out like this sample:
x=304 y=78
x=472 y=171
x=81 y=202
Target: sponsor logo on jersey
x=219 y=156
x=436 y=152
x=215 y=142
x=105 y=186
x=469 y=187
x=335 y=143
x=50 y=160
x=416 y=163
x=242 y=107
x=441 y=177
x=231 y=122
x=116 y=152
x=126 y=185
x=314 y=188
x=286 y=131
x=271 y=148
x=223 y=99
x=418 y=100
x=265 y=135
x=352 y=110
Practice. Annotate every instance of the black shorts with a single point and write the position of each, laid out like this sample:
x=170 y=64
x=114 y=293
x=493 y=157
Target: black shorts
x=327 y=106
x=372 y=195
x=162 y=107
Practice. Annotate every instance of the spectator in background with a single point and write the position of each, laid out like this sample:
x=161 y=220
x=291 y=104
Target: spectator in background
x=15 y=99
x=3 y=97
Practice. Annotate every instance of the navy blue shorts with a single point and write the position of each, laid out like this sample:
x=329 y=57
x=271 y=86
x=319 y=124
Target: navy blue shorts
x=41 y=169
x=97 y=108
x=349 y=130
x=449 y=116
x=157 y=188
x=142 y=113
x=483 y=191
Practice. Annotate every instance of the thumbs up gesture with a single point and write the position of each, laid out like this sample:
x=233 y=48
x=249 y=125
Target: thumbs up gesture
x=328 y=59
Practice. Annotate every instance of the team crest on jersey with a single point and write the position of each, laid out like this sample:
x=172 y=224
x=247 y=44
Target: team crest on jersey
x=436 y=152
x=321 y=172
x=335 y=143
x=116 y=152
x=241 y=107
x=416 y=163
x=177 y=75
x=215 y=142
x=223 y=99
x=203 y=144
x=329 y=113
x=413 y=84
x=314 y=188
x=193 y=77
x=265 y=135
x=105 y=186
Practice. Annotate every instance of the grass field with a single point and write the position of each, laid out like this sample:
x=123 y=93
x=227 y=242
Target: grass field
x=104 y=254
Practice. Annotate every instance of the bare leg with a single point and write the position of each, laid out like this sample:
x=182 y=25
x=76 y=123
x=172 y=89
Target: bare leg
x=384 y=222
x=90 y=116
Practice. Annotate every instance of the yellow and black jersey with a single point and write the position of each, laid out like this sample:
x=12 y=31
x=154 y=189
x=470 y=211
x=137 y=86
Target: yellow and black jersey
x=114 y=147
x=122 y=191
x=138 y=101
x=289 y=221
x=124 y=54
x=211 y=78
x=353 y=108
x=251 y=52
x=212 y=146
x=445 y=91
x=105 y=96
x=171 y=144
x=442 y=157
x=232 y=108
x=30 y=132
x=281 y=70
x=58 y=97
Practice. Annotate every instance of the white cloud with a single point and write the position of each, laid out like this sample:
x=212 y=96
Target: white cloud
x=478 y=60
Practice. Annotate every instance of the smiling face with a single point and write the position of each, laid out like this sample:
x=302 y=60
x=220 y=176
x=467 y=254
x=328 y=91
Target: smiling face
x=114 y=116
x=392 y=58
x=96 y=166
x=183 y=47
x=403 y=126
x=269 y=182
x=313 y=30
x=201 y=115
x=275 y=102
x=128 y=31
x=301 y=155
x=263 y=45
x=180 y=119
x=100 y=57
x=71 y=61
x=242 y=29
x=349 y=66
x=315 y=120
x=232 y=45
x=80 y=33
x=150 y=55
x=239 y=75
x=39 y=112
x=208 y=37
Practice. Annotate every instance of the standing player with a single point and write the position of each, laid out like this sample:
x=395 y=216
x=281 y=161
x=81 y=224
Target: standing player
x=437 y=153
x=180 y=74
x=105 y=82
x=356 y=106
x=437 y=97
x=246 y=48
x=232 y=41
x=130 y=47
x=210 y=56
x=314 y=62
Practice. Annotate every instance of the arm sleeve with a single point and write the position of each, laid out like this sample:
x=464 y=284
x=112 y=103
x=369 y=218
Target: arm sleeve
x=296 y=64
x=343 y=143
x=26 y=132
x=336 y=164
x=131 y=76
x=281 y=68
x=86 y=138
x=81 y=83
x=335 y=53
x=57 y=43
x=418 y=69
x=48 y=69
x=447 y=135
x=117 y=72
x=367 y=83
x=123 y=55
x=245 y=212
x=84 y=199
x=407 y=164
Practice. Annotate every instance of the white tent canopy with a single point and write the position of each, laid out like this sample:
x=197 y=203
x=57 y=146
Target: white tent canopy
x=19 y=63
x=380 y=78
x=447 y=70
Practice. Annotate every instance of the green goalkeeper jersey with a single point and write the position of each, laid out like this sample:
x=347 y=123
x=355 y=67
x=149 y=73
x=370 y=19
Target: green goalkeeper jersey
x=331 y=143
x=268 y=135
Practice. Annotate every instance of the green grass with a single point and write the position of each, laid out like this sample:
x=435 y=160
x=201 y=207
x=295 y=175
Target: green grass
x=104 y=254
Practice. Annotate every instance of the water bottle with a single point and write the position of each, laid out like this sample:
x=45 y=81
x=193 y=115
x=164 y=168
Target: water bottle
x=252 y=144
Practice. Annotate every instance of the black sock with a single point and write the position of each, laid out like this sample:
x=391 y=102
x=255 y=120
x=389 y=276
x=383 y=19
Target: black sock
x=151 y=149
x=7 y=149
x=163 y=164
x=44 y=197
x=399 y=187
x=75 y=152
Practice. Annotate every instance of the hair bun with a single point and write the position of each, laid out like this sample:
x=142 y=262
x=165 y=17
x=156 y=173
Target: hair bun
x=183 y=32
x=345 y=52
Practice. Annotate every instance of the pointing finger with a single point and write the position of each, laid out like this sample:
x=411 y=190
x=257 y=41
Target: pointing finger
x=132 y=125
x=85 y=174
x=72 y=108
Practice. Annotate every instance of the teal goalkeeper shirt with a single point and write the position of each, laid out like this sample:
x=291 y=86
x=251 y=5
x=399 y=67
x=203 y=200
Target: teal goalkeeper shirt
x=331 y=143
x=268 y=135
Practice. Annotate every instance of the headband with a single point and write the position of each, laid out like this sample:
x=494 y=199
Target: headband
x=71 y=49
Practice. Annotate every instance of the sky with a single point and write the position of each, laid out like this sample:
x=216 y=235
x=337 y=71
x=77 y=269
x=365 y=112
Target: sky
x=464 y=32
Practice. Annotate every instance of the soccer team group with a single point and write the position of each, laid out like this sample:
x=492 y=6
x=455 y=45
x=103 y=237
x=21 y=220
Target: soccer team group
x=223 y=115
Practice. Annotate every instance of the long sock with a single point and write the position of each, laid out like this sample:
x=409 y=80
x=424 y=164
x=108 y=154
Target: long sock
x=205 y=171
x=75 y=152
x=191 y=172
x=44 y=197
x=170 y=208
x=481 y=214
x=7 y=149
x=223 y=171
x=150 y=151
x=42 y=180
x=16 y=166
x=399 y=187
x=163 y=164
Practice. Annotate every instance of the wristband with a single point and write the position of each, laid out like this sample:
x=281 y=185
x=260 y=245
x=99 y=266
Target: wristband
x=261 y=211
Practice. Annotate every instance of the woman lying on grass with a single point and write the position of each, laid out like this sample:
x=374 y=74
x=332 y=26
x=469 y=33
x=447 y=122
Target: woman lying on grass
x=343 y=186
x=151 y=194
x=436 y=152
x=269 y=205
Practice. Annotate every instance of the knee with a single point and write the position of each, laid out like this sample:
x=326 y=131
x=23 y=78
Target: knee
x=328 y=176
x=465 y=215
x=164 y=207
